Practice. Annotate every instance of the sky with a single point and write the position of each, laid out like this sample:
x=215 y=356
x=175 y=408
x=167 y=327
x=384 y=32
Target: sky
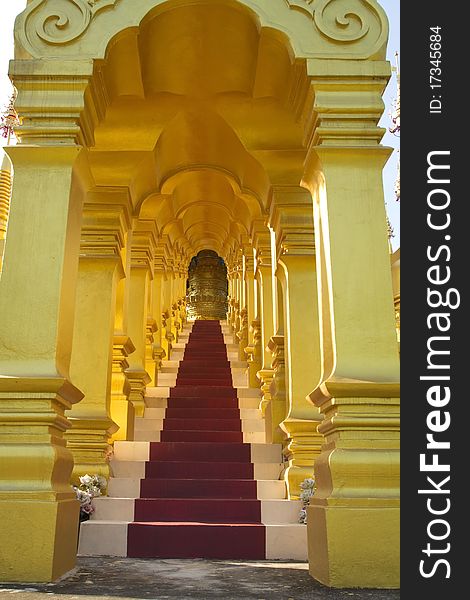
x=10 y=8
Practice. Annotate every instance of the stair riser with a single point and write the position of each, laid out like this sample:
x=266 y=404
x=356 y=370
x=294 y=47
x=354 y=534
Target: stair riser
x=200 y=392
x=197 y=541
x=101 y=538
x=242 y=403
x=202 y=413
x=198 y=510
x=211 y=452
x=273 y=511
x=186 y=470
x=168 y=488
x=217 y=425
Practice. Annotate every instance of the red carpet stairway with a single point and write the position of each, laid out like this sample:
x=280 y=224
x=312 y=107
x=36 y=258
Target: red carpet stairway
x=198 y=498
x=198 y=481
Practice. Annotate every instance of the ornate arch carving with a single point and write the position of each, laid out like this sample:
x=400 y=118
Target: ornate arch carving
x=354 y=29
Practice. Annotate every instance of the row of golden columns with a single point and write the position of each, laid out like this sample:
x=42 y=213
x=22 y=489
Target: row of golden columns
x=333 y=340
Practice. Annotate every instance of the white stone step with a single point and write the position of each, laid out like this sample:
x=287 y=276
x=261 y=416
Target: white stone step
x=109 y=538
x=157 y=392
x=154 y=401
x=266 y=453
x=267 y=470
x=286 y=541
x=271 y=489
x=103 y=538
x=133 y=451
x=127 y=468
x=151 y=435
x=276 y=512
x=127 y=487
x=249 y=393
x=273 y=511
x=147 y=435
x=114 y=508
x=160 y=413
x=123 y=487
x=147 y=424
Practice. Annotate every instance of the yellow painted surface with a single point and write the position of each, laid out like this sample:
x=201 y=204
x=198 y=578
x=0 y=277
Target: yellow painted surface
x=341 y=562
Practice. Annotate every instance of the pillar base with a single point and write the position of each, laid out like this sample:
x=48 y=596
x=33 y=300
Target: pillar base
x=38 y=508
x=354 y=546
x=43 y=538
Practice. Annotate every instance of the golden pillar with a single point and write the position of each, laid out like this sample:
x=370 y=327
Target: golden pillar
x=292 y=219
x=142 y=258
x=122 y=409
x=157 y=292
x=251 y=348
x=250 y=285
x=262 y=241
x=150 y=357
x=353 y=519
x=175 y=320
x=100 y=269
x=38 y=509
x=276 y=409
x=247 y=300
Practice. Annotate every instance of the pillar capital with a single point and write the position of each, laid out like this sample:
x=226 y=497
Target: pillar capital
x=261 y=238
x=291 y=217
x=52 y=101
x=344 y=102
x=106 y=221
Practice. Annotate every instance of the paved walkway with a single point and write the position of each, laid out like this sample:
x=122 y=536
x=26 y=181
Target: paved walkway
x=142 y=579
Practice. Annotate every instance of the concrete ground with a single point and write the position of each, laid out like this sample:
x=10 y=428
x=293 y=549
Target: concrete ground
x=118 y=578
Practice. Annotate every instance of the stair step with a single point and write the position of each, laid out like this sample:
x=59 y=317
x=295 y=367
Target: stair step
x=172 y=424
x=206 y=470
x=201 y=540
x=203 y=391
x=209 y=451
x=201 y=436
x=203 y=403
x=205 y=369
x=200 y=510
x=202 y=413
x=203 y=363
x=198 y=488
x=194 y=486
x=203 y=381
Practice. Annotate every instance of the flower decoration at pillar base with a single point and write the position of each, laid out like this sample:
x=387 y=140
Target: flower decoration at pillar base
x=307 y=486
x=91 y=486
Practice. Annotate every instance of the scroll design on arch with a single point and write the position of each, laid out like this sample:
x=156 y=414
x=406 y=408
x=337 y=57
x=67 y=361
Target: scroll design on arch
x=59 y=22
x=340 y=20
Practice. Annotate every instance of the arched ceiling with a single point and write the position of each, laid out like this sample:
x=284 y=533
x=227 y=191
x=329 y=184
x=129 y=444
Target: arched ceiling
x=196 y=96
